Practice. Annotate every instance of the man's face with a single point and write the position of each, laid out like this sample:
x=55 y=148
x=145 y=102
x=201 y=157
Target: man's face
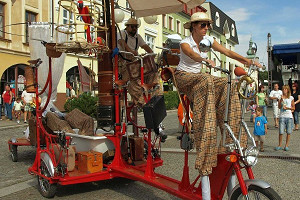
x=132 y=29
x=276 y=87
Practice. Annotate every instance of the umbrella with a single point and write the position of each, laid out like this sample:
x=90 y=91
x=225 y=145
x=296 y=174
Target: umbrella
x=144 y=8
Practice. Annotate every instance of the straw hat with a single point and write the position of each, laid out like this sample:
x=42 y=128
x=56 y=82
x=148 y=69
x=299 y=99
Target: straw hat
x=131 y=21
x=198 y=16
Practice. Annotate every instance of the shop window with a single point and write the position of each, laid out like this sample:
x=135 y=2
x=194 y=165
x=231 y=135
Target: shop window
x=29 y=17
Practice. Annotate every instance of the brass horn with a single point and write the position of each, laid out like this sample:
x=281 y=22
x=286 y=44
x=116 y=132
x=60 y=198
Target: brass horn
x=249 y=81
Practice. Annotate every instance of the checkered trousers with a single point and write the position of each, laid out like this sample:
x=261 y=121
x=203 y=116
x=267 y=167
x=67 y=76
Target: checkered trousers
x=208 y=94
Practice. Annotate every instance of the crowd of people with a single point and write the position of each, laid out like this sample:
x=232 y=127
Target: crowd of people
x=14 y=105
x=286 y=107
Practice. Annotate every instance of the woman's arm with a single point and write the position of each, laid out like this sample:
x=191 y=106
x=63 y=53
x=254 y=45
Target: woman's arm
x=216 y=46
x=279 y=103
x=256 y=99
x=296 y=102
x=293 y=106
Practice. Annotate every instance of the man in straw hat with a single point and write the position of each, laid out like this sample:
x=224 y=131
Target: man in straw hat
x=129 y=40
x=208 y=94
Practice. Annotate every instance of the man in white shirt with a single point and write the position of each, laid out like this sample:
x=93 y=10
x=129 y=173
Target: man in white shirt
x=275 y=96
x=27 y=99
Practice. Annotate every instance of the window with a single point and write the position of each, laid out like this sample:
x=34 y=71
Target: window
x=2 y=21
x=150 y=41
x=171 y=23
x=178 y=27
x=128 y=5
x=164 y=21
x=232 y=30
x=186 y=32
x=29 y=17
x=217 y=18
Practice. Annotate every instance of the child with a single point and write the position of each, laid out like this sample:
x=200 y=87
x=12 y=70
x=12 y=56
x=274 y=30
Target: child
x=252 y=106
x=286 y=105
x=17 y=109
x=260 y=128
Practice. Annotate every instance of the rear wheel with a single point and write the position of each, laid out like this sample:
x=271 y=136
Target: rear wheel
x=46 y=189
x=256 y=193
x=14 y=153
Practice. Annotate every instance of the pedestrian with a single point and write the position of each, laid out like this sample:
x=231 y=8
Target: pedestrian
x=17 y=109
x=252 y=107
x=72 y=92
x=208 y=94
x=275 y=96
x=261 y=100
x=27 y=99
x=260 y=128
x=0 y=106
x=286 y=105
x=296 y=96
x=7 y=98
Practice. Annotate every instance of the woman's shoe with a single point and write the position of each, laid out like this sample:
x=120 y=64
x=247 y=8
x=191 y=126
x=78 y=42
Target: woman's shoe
x=278 y=148
x=286 y=148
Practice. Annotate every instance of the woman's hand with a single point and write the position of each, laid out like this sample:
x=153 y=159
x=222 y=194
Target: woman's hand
x=211 y=63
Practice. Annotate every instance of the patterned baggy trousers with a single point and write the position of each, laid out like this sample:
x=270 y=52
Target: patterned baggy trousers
x=208 y=94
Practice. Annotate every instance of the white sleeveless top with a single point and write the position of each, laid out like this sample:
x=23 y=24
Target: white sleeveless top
x=188 y=64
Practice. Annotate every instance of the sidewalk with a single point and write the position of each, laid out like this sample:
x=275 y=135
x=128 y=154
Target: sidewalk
x=5 y=124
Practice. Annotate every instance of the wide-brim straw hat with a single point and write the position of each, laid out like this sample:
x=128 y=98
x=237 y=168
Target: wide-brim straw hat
x=131 y=21
x=196 y=17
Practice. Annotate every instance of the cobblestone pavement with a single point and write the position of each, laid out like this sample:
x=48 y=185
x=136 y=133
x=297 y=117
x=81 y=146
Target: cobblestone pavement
x=283 y=175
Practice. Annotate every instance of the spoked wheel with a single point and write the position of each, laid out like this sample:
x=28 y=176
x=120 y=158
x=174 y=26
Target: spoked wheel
x=256 y=193
x=46 y=189
x=14 y=153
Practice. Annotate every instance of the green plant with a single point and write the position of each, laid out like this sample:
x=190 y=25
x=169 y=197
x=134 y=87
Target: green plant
x=171 y=99
x=85 y=103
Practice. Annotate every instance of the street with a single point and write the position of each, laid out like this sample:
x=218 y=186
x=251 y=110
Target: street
x=281 y=174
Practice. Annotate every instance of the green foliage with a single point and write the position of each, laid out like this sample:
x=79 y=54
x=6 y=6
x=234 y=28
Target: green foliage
x=263 y=76
x=85 y=103
x=171 y=100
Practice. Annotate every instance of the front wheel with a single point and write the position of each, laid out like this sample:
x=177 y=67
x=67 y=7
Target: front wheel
x=46 y=189
x=14 y=153
x=256 y=193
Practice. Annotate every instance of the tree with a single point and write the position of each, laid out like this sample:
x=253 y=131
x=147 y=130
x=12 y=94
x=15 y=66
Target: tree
x=263 y=76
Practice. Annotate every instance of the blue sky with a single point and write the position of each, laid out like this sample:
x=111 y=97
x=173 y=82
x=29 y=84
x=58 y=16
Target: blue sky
x=281 y=18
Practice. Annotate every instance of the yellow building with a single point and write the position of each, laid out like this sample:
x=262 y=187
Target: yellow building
x=14 y=47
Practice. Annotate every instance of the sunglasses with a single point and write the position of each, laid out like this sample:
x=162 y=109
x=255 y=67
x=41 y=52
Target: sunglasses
x=204 y=24
x=134 y=26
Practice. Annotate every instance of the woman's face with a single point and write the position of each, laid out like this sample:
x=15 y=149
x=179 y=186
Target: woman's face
x=262 y=89
x=201 y=28
x=294 y=87
x=285 y=91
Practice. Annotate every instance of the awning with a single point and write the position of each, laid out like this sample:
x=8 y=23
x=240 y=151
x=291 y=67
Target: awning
x=144 y=8
x=287 y=54
x=286 y=48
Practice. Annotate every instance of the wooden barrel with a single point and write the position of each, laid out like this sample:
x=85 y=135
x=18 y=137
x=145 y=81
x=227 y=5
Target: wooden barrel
x=106 y=99
x=105 y=81
x=29 y=76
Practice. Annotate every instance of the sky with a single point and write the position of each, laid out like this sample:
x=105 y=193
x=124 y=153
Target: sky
x=257 y=18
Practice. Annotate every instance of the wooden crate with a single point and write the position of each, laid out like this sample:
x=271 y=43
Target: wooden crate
x=90 y=161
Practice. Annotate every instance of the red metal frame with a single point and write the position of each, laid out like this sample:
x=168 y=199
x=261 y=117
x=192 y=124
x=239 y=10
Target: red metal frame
x=144 y=172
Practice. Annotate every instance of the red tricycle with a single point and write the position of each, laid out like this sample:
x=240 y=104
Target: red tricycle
x=58 y=162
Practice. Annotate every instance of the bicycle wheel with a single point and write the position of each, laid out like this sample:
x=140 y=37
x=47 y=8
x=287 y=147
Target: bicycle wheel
x=256 y=193
x=46 y=189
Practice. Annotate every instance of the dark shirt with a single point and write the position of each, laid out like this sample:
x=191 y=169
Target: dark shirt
x=297 y=106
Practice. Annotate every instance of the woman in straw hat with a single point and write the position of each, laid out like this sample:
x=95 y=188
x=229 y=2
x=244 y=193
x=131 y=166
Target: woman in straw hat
x=208 y=94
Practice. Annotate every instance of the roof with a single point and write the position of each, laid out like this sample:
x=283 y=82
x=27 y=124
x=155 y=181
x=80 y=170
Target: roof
x=287 y=53
x=225 y=20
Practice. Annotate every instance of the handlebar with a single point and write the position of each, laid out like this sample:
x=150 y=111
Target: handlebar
x=216 y=68
x=138 y=56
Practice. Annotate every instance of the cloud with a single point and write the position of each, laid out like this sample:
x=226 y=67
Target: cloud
x=239 y=14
